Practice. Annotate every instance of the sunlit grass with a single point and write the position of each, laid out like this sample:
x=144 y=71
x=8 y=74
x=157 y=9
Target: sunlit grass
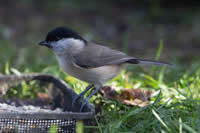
x=175 y=109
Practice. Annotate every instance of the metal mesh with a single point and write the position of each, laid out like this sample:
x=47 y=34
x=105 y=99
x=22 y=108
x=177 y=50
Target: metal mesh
x=36 y=125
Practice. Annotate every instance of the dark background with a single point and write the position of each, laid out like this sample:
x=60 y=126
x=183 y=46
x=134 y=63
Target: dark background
x=132 y=26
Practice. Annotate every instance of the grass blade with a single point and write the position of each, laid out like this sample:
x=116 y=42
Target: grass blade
x=161 y=121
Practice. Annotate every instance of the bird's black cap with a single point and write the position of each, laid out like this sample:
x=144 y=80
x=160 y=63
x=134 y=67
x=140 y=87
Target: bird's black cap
x=60 y=33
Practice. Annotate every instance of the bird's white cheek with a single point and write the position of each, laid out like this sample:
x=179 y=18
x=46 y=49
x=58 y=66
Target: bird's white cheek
x=68 y=46
x=58 y=49
x=71 y=45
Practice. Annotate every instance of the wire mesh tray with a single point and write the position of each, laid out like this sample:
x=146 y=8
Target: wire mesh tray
x=35 y=119
x=36 y=125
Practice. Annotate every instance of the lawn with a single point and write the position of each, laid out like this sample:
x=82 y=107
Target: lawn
x=174 y=106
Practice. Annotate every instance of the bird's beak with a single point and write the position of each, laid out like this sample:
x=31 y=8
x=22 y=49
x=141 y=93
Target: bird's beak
x=44 y=43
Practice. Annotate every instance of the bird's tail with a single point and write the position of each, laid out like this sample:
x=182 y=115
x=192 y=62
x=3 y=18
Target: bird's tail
x=149 y=62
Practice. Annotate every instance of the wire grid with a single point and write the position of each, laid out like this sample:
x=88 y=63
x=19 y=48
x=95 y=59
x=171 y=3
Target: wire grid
x=36 y=125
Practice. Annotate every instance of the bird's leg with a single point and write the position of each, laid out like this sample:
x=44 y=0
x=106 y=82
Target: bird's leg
x=88 y=98
x=81 y=94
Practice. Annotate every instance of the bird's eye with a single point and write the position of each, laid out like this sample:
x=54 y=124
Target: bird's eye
x=58 y=38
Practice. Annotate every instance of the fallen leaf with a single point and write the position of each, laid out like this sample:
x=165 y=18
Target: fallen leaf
x=133 y=97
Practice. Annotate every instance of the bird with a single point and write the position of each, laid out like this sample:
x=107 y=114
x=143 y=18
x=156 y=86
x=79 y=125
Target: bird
x=88 y=61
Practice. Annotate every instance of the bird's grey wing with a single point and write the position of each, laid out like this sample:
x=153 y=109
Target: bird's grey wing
x=95 y=55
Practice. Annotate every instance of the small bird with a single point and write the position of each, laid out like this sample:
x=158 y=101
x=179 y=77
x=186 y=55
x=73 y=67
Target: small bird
x=87 y=60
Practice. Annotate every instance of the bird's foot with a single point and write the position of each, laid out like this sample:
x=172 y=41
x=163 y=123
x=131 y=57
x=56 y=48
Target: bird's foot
x=83 y=105
x=88 y=98
x=75 y=98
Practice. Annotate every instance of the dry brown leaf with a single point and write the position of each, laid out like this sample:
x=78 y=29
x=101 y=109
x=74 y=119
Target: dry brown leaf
x=134 y=97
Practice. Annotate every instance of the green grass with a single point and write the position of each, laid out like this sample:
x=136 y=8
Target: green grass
x=174 y=107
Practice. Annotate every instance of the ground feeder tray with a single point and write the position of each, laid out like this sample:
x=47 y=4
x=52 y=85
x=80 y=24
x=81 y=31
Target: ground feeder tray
x=21 y=116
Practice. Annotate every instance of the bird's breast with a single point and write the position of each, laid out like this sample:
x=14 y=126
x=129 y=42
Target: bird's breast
x=98 y=75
